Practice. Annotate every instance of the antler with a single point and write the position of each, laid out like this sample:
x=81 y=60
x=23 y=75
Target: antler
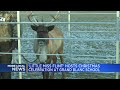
x=29 y=17
x=55 y=17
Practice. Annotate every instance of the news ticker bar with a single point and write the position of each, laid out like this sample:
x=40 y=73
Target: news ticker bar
x=59 y=67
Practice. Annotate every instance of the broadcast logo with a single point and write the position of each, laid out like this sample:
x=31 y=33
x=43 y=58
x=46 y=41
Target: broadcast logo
x=17 y=67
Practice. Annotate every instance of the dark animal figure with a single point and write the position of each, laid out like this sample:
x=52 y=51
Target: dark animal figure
x=48 y=46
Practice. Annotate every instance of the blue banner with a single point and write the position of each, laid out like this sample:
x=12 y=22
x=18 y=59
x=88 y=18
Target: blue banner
x=59 y=67
x=12 y=67
x=74 y=67
x=109 y=67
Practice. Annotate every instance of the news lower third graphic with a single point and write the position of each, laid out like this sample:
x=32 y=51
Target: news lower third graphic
x=59 y=67
x=12 y=67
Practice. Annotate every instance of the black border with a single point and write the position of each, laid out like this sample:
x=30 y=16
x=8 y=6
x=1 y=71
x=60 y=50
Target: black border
x=59 y=84
x=60 y=5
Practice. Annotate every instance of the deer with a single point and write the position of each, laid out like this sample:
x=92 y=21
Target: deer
x=48 y=46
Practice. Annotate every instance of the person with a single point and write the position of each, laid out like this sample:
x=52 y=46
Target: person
x=7 y=45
